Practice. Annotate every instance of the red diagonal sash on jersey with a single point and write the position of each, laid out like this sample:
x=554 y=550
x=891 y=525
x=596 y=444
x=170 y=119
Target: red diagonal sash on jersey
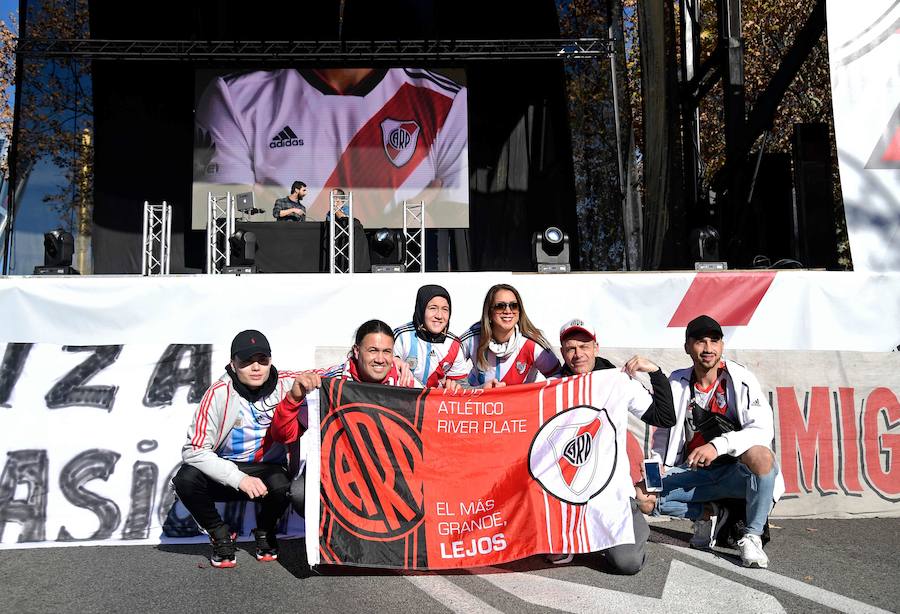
x=365 y=163
x=525 y=357
x=439 y=374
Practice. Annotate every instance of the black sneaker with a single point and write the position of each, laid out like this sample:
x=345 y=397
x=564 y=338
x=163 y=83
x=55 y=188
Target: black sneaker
x=222 y=540
x=266 y=545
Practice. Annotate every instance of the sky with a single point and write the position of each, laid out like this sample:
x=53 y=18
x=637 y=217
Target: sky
x=7 y=7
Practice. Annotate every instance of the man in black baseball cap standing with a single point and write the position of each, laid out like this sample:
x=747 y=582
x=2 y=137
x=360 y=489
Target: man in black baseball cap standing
x=229 y=454
x=720 y=446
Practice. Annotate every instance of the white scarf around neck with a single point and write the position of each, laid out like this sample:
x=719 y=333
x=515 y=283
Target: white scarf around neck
x=502 y=350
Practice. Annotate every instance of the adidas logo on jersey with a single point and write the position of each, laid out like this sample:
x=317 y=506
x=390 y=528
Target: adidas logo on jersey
x=285 y=138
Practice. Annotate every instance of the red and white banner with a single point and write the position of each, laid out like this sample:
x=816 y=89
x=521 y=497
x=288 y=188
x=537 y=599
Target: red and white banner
x=99 y=376
x=419 y=479
x=864 y=52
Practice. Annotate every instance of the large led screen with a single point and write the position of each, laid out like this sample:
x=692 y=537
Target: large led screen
x=383 y=135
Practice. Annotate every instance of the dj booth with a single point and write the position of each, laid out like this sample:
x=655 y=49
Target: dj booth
x=301 y=247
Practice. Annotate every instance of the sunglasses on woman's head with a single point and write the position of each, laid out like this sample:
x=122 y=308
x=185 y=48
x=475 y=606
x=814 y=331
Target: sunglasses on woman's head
x=512 y=306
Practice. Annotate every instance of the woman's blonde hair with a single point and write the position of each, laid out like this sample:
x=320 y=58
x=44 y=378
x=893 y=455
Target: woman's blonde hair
x=525 y=326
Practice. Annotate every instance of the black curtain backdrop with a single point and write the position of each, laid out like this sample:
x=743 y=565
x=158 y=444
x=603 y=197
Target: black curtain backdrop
x=519 y=147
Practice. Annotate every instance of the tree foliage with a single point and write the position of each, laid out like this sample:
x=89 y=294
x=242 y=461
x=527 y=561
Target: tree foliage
x=56 y=112
x=594 y=147
x=769 y=27
x=8 y=40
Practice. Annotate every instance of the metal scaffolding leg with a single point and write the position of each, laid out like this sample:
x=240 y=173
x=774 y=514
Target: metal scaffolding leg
x=414 y=236
x=219 y=228
x=340 y=235
x=157 y=238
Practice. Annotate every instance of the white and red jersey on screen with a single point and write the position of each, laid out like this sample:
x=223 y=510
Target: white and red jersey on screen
x=431 y=363
x=520 y=365
x=386 y=139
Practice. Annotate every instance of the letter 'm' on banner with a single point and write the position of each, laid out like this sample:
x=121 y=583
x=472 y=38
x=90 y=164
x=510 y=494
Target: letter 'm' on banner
x=808 y=439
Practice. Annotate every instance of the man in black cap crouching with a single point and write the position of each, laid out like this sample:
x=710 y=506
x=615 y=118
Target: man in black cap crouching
x=720 y=446
x=229 y=454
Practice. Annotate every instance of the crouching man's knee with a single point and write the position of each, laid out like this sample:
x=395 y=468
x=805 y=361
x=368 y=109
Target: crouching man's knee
x=626 y=560
x=759 y=459
x=187 y=479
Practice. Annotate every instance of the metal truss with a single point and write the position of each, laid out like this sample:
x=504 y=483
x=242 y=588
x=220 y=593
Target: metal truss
x=256 y=51
x=157 y=238
x=219 y=228
x=414 y=236
x=340 y=236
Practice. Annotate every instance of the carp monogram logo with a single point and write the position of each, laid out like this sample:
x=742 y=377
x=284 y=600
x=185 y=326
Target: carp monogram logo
x=369 y=459
x=400 y=138
x=573 y=455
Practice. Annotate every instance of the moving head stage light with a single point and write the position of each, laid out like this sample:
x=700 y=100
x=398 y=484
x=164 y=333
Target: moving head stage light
x=59 y=247
x=550 y=251
x=386 y=250
x=243 y=253
x=705 y=249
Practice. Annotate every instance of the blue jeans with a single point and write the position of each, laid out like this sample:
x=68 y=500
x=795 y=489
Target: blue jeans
x=686 y=490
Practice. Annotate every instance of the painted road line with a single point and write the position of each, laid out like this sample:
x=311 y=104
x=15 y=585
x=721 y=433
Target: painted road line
x=688 y=589
x=450 y=595
x=790 y=585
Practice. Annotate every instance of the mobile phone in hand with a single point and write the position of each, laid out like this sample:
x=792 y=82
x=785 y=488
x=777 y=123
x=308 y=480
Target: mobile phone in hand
x=652 y=475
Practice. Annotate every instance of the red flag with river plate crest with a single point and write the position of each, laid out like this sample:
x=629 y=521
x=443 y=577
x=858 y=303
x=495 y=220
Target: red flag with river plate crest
x=421 y=479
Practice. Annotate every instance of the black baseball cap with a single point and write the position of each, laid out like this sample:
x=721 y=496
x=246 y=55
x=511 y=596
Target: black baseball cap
x=703 y=326
x=250 y=342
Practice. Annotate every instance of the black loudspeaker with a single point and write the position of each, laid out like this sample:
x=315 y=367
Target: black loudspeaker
x=766 y=226
x=814 y=196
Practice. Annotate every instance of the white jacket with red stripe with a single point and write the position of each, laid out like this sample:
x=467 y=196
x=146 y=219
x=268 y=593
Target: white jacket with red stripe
x=216 y=416
x=754 y=414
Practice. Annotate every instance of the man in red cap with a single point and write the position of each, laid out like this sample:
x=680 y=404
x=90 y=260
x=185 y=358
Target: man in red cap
x=230 y=454
x=581 y=354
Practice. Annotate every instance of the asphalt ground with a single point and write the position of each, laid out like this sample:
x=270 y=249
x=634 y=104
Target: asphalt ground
x=815 y=566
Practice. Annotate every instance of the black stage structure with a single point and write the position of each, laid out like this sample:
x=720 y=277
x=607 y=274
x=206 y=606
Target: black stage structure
x=142 y=59
x=106 y=96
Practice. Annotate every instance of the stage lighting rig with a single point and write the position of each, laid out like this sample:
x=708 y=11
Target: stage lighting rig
x=243 y=253
x=705 y=249
x=550 y=250
x=59 y=247
x=386 y=250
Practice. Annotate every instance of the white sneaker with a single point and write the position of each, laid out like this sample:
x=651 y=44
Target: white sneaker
x=561 y=558
x=705 y=531
x=752 y=554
